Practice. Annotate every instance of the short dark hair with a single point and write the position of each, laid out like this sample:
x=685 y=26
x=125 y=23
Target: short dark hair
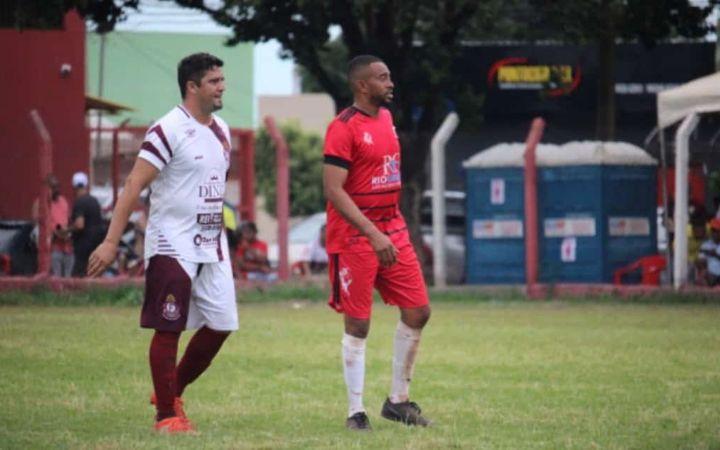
x=193 y=68
x=249 y=226
x=358 y=63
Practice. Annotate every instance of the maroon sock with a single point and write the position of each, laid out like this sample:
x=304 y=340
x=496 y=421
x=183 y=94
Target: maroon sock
x=163 y=353
x=199 y=353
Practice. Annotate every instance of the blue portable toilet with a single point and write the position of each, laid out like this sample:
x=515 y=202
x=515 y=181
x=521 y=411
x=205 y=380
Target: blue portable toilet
x=495 y=217
x=596 y=211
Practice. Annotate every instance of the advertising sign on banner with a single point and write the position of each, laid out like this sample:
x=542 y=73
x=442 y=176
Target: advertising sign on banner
x=568 y=250
x=628 y=226
x=569 y=226
x=497 y=229
x=497 y=191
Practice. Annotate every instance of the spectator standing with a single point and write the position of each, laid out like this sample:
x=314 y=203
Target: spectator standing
x=61 y=250
x=86 y=224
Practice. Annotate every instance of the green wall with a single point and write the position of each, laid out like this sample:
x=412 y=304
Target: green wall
x=141 y=72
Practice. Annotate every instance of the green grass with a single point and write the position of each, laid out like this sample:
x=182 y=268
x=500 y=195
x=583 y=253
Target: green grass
x=315 y=291
x=493 y=374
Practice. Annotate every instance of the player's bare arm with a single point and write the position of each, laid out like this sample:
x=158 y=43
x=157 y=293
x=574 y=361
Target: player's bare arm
x=142 y=174
x=333 y=180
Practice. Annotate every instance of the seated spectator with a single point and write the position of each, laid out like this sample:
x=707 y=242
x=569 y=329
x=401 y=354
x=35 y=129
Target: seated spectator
x=708 y=260
x=316 y=260
x=251 y=257
x=231 y=231
x=131 y=248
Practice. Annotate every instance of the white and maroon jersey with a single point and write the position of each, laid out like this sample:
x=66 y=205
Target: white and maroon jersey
x=186 y=217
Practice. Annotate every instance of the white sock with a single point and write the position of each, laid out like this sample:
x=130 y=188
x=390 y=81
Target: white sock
x=353 y=354
x=405 y=346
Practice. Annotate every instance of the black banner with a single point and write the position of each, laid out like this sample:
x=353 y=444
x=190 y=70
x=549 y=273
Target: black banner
x=562 y=80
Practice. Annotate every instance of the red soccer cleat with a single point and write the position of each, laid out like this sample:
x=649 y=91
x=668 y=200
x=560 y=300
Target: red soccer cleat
x=174 y=425
x=177 y=406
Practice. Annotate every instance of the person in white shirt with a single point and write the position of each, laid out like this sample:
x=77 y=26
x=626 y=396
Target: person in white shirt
x=317 y=257
x=188 y=282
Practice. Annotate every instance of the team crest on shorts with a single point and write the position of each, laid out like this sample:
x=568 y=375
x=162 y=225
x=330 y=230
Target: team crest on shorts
x=170 y=309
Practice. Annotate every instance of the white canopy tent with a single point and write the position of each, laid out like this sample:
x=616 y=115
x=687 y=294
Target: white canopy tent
x=684 y=103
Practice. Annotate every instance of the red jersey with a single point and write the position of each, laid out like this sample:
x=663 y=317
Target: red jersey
x=368 y=148
x=248 y=251
x=59 y=216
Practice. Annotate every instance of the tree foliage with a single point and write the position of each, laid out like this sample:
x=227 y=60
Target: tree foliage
x=306 y=194
x=49 y=14
x=605 y=22
x=419 y=40
x=334 y=59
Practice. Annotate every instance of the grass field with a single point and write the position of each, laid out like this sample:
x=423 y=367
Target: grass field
x=492 y=374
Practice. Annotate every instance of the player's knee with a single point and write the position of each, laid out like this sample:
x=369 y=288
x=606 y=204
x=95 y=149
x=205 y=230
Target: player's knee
x=358 y=331
x=416 y=318
x=357 y=327
x=426 y=315
x=423 y=316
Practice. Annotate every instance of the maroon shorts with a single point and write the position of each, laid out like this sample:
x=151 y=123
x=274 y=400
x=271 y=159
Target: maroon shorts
x=167 y=295
x=354 y=275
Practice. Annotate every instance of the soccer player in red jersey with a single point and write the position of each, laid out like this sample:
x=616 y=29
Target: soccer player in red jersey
x=368 y=241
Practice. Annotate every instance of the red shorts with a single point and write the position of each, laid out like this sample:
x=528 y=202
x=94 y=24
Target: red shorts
x=353 y=276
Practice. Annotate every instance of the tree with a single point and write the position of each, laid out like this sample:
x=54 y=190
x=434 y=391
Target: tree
x=48 y=14
x=334 y=59
x=306 y=195
x=420 y=40
x=604 y=22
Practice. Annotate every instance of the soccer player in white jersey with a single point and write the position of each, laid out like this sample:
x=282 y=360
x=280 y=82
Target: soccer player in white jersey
x=188 y=280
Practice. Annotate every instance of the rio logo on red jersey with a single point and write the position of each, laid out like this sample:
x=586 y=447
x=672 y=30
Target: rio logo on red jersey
x=390 y=172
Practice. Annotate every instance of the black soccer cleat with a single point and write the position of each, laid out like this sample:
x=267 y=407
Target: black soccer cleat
x=358 y=421
x=408 y=413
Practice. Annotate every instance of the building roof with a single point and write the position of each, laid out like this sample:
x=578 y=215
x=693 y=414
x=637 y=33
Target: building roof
x=97 y=103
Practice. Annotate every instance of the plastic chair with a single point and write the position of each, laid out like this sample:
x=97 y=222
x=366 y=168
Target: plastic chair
x=650 y=269
x=5 y=264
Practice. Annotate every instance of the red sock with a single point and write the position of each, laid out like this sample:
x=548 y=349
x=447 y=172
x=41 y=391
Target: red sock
x=199 y=353
x=163 y=353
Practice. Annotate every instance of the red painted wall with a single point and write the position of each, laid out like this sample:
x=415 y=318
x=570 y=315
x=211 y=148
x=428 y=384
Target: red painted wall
x=32 y=80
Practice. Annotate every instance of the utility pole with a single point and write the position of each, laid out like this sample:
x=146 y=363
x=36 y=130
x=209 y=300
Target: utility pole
x=98 y=127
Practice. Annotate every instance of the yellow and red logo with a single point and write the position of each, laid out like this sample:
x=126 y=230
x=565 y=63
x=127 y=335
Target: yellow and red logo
x=517 y=73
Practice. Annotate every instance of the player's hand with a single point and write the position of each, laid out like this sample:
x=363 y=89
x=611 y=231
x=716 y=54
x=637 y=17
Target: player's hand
x=101 y=258
x=384 y=249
